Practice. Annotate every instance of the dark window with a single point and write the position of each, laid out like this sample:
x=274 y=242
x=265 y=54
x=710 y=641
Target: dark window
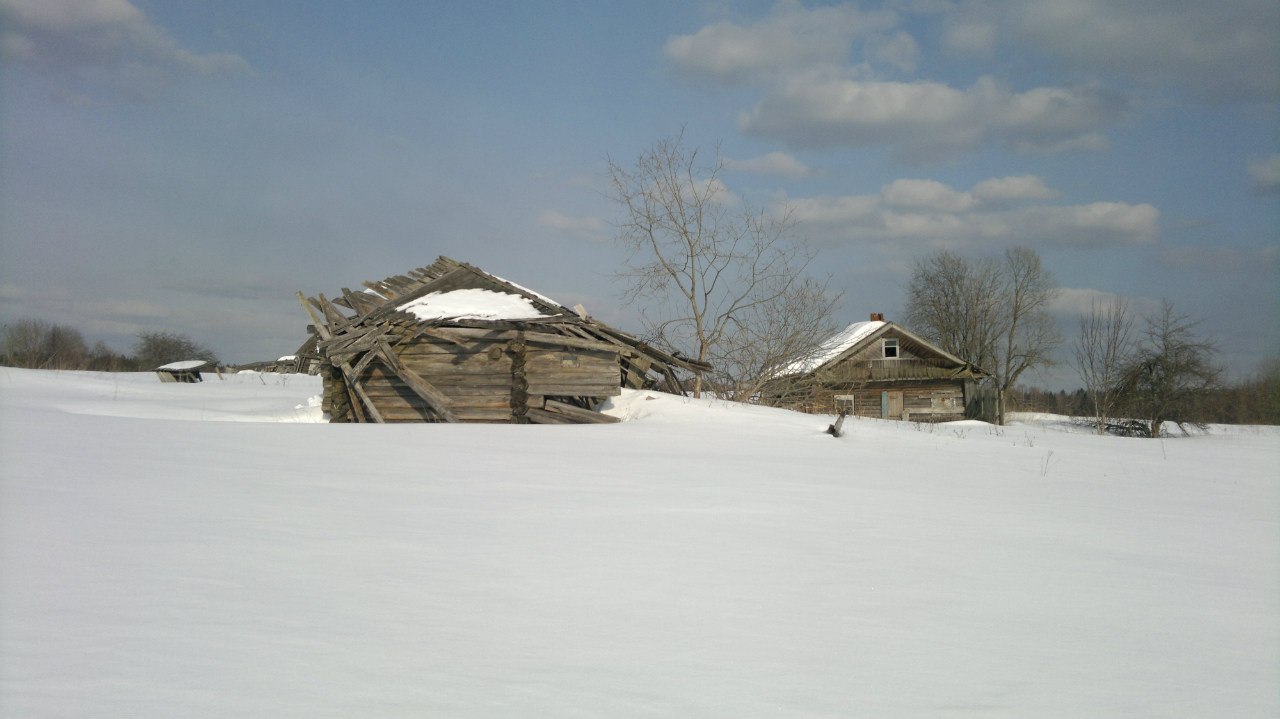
x=891 y=348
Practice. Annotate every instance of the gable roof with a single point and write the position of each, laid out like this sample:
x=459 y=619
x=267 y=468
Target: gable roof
x=860 y=335
x=833 y=347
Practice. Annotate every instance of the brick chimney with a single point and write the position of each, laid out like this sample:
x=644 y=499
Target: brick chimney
x=877 y=317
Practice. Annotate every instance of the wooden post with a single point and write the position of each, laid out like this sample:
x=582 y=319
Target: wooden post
x=836 y=430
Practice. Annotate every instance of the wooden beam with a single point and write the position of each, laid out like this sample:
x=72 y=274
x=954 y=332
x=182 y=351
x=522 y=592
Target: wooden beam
x=353 y=384
x=579 y=414
x=434 y=398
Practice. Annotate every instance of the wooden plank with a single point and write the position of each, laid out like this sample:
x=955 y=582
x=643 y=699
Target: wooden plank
x=536 y=415
x=476 y=384
x=576 y=390
x=556 y=340
x=403 y=414
x=369 y=405
x=457 y=394
x=578 y=413
x=353 y=386
x=389 y=398
x=432 y=396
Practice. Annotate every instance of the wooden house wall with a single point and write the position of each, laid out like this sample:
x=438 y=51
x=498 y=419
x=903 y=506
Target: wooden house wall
x=924 y=401
x=875 y=350
x=480 y=378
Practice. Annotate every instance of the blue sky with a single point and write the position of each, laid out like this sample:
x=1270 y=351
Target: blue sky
x=189 y=165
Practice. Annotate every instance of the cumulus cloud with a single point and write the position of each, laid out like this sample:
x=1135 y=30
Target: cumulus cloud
x=1265 y=175
x=101 y=42
x=999 y=210
x=1219 y=50
x=592 y=229
x=773 y=163
x=792 y=37
x=927 y=195
x=929 y=120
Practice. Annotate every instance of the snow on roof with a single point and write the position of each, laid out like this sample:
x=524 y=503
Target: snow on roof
x=539 y=295
x=184 y=364
x=472 y=304
x=833 y=346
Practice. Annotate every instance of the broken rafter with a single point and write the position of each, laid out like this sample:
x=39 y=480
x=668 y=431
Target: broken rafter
x=434 y=398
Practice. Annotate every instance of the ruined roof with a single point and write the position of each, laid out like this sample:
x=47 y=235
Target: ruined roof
x=360 y=328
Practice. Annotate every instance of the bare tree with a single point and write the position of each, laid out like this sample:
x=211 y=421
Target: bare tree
x=1102 y=351
x=1170 y=369
x=764 y=338
x=37 y=344
x=954 y=302
x=715 y=270
x=157 y=348
x=1029 y=334
x=992 y=314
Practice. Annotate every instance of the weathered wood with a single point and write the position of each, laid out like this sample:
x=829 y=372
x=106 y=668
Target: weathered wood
x=390 y=361
x=361 y=404
x=836 y=430
x=578 y=413
x=537 y=415
x=436 y=400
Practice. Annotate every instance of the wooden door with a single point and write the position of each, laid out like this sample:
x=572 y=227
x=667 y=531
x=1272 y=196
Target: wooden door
x=891 y=404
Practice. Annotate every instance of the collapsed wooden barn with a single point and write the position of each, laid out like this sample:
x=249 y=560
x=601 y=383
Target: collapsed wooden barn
x=878 y=369
x=451 y=343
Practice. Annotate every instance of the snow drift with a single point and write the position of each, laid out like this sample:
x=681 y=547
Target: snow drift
x=698 y=559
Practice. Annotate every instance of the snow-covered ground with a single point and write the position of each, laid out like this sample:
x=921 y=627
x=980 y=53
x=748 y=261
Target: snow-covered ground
x=210 y=550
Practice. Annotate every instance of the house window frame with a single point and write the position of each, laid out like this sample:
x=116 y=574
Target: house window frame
x=891 y=342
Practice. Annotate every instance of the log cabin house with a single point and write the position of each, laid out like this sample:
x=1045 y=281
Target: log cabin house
x=452 y=343
x=878 y=369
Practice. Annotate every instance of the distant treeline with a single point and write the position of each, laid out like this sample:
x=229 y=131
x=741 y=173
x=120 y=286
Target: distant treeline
x=37 y=344
x=1255 y=400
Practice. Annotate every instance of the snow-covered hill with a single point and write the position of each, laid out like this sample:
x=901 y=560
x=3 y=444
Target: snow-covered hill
x=211 y=550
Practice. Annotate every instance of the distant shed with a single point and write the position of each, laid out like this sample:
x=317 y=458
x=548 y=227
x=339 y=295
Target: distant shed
x=452 y=343
x=183 y=371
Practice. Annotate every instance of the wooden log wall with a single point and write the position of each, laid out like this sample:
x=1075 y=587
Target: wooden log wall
x=923 y=402
x=485 y=377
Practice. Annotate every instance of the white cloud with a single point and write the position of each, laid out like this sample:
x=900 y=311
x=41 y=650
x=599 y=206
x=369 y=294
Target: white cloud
x=846 y=211
x=927 y=120
x=899 y=50
x=592 y=229
x=107 y=42
x=932 y=212
x=1265 y=175
x=773 y=163
x=1225 y=49
x=792 y=37
x=1012 y=189
x=927 y=195
x=971 y=35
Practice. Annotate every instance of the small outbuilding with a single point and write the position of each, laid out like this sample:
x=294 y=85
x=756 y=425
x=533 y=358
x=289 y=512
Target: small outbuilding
x=451 y=343
x=878 y=369
x=182 y=371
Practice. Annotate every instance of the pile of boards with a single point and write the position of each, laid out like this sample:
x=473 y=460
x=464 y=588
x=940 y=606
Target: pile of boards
x=382 y=361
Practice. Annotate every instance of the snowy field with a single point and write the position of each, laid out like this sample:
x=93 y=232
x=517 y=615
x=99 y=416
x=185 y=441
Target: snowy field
x=212 y=550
